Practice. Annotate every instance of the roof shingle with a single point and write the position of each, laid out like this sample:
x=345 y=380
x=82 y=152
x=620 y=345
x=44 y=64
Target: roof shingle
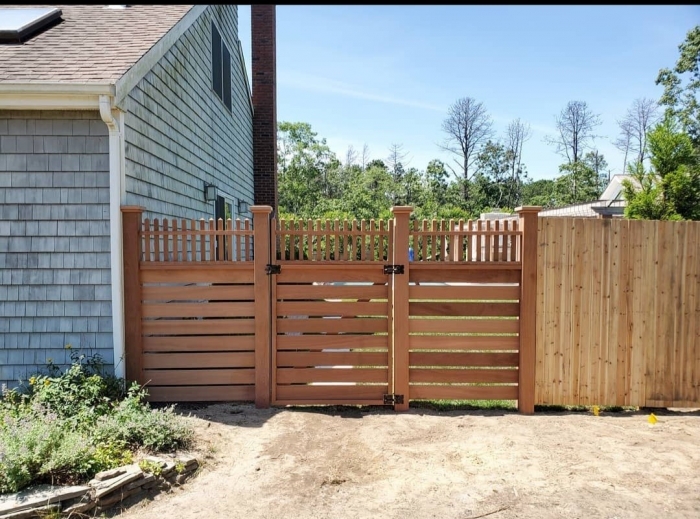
x=93 y=44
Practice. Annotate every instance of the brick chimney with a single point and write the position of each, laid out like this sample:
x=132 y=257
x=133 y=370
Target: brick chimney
x=264 y=69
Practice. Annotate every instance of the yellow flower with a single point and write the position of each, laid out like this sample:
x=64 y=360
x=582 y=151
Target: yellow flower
x=69 y=346
x=32 y=381
x=46 y=382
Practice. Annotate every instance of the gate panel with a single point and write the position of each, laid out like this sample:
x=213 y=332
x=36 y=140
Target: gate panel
x=332 y=334
x=463 y=337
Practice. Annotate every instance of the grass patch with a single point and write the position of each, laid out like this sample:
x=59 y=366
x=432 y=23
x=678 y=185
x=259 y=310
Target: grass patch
x=465 y=405
x=582 y=409
x=64 y=427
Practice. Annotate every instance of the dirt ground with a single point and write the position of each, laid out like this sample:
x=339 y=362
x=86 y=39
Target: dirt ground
x=354 y=463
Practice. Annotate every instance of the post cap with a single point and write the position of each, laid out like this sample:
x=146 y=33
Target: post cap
x=263 y=209
x=132 y=209
x=402 y=209
x=528 y=209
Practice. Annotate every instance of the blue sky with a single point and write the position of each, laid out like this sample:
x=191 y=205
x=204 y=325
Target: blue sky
x=387 y=74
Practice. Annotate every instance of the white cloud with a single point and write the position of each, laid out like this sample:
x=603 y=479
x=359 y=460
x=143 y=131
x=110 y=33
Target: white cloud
x=320 y=84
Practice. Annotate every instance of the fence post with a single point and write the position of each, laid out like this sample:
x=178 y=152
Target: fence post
x=131 y=247
x=528 y=308
x=398 y=354
x=263 y=306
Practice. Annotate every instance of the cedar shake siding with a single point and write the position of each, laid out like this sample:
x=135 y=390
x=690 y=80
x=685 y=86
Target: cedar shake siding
x=180 y=133
x=54 y=240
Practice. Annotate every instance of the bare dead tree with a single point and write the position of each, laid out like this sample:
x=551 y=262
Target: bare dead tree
x=575 y=124
x=634 y=126
x=624 y=142
x=395 y=160
x=517 y=134
x=468 y=126
x=365 y=156
x=350 y=156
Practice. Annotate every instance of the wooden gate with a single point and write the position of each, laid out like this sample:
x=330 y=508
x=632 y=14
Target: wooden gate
x=312 y=312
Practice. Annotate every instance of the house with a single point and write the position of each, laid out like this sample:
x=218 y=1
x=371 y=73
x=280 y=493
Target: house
x=110 y=106
x=611 y=203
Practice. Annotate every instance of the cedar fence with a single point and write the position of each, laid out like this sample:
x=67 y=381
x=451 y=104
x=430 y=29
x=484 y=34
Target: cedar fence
x=538 y=310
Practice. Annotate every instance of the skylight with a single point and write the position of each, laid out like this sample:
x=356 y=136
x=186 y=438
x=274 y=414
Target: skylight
x=18 y=24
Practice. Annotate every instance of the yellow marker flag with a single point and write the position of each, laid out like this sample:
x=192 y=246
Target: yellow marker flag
x=596 y=410
x=652 y=419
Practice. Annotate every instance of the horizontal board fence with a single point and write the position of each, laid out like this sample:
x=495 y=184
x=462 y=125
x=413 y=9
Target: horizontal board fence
x=618 y=313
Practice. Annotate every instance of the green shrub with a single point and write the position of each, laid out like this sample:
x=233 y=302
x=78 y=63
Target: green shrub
x=66 y=426
x=137 y=425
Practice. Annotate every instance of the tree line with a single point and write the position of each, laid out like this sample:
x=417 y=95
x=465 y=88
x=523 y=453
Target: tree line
x=659 y=140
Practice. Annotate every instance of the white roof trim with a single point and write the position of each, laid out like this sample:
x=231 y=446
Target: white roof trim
x=138 y=70
x=50 y=96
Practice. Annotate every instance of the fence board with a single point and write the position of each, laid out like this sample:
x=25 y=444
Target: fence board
x=210 y=343
x=625 y=336
x=199 y=377
x=198 y=360
x=310 y=375
x=463 y=326
x=464 y=392
x=463 y=359
x=463 y=342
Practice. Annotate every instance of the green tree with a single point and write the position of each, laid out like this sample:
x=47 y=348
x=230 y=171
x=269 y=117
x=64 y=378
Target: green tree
x=539 y=192
x=308 y=171
x=681 y=100
x=670 y=189
x=578 y=183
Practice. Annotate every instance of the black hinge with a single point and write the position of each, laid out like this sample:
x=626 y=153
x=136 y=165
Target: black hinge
x=273 y=269
x=393 y=399
x=393 y=269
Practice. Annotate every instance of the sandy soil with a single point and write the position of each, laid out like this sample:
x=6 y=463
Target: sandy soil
x=352 y=463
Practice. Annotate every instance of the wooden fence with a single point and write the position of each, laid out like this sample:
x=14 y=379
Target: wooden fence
x=618 y=312
x=539 y=310
x=310 y=312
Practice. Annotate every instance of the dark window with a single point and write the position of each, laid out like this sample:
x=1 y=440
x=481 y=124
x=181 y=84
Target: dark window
x=221 y=67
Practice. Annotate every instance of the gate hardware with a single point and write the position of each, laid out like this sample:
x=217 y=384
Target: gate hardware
x=273 y=269
x=393 y=399
x=393 y=269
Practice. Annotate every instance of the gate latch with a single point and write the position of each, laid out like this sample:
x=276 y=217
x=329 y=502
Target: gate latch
x=393 y=399
x=273 y=269
x=393 y=269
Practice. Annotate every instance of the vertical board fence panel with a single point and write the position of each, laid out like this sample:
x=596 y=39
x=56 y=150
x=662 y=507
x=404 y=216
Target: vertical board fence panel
x=618 y=313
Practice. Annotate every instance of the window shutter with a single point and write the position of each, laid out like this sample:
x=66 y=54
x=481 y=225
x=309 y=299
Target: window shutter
x=227 y=77
x=216 y=60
